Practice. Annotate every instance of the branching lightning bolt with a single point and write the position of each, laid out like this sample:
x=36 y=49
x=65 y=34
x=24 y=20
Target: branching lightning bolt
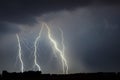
x=63 y=51
x=35 y=50
x=20 y=53
x=64 y=61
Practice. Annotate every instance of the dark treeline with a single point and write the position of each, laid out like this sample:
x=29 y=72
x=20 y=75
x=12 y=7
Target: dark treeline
x=31 y=75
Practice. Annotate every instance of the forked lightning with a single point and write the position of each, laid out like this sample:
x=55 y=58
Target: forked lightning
x=35 y=50
x=61 y=52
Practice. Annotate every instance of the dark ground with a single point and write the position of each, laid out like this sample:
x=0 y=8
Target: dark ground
x=31 y=75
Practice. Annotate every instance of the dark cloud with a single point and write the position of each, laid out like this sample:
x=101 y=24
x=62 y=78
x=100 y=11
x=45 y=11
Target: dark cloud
x=25 y=11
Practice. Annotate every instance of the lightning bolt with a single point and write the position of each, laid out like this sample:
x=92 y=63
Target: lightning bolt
x=63 y=52
x=20 y=53
x=55 y=44
x=35 y=50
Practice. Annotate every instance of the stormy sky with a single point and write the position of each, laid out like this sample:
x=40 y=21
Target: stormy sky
x=91 y=34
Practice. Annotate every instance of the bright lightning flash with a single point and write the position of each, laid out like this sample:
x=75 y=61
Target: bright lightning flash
x=64 y=61
x=20 y=53
x=35 y=50
x=63 y=51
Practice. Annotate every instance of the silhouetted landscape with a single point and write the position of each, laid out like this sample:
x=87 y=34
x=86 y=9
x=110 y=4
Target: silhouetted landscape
x=32 y=75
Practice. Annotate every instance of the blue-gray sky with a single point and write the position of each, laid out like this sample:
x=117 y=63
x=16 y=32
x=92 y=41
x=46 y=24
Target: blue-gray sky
x=91 y=31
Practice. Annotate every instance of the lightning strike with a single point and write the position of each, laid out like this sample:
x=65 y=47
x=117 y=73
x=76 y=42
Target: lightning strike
x=20 y=53
x=63 y=51
x=55 y=44
x=35 y=50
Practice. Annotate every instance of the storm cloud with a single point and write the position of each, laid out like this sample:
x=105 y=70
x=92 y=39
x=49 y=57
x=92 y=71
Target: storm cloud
x=26 y=11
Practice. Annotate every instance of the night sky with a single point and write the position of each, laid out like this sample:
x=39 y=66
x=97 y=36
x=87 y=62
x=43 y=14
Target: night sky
x=91 y=34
